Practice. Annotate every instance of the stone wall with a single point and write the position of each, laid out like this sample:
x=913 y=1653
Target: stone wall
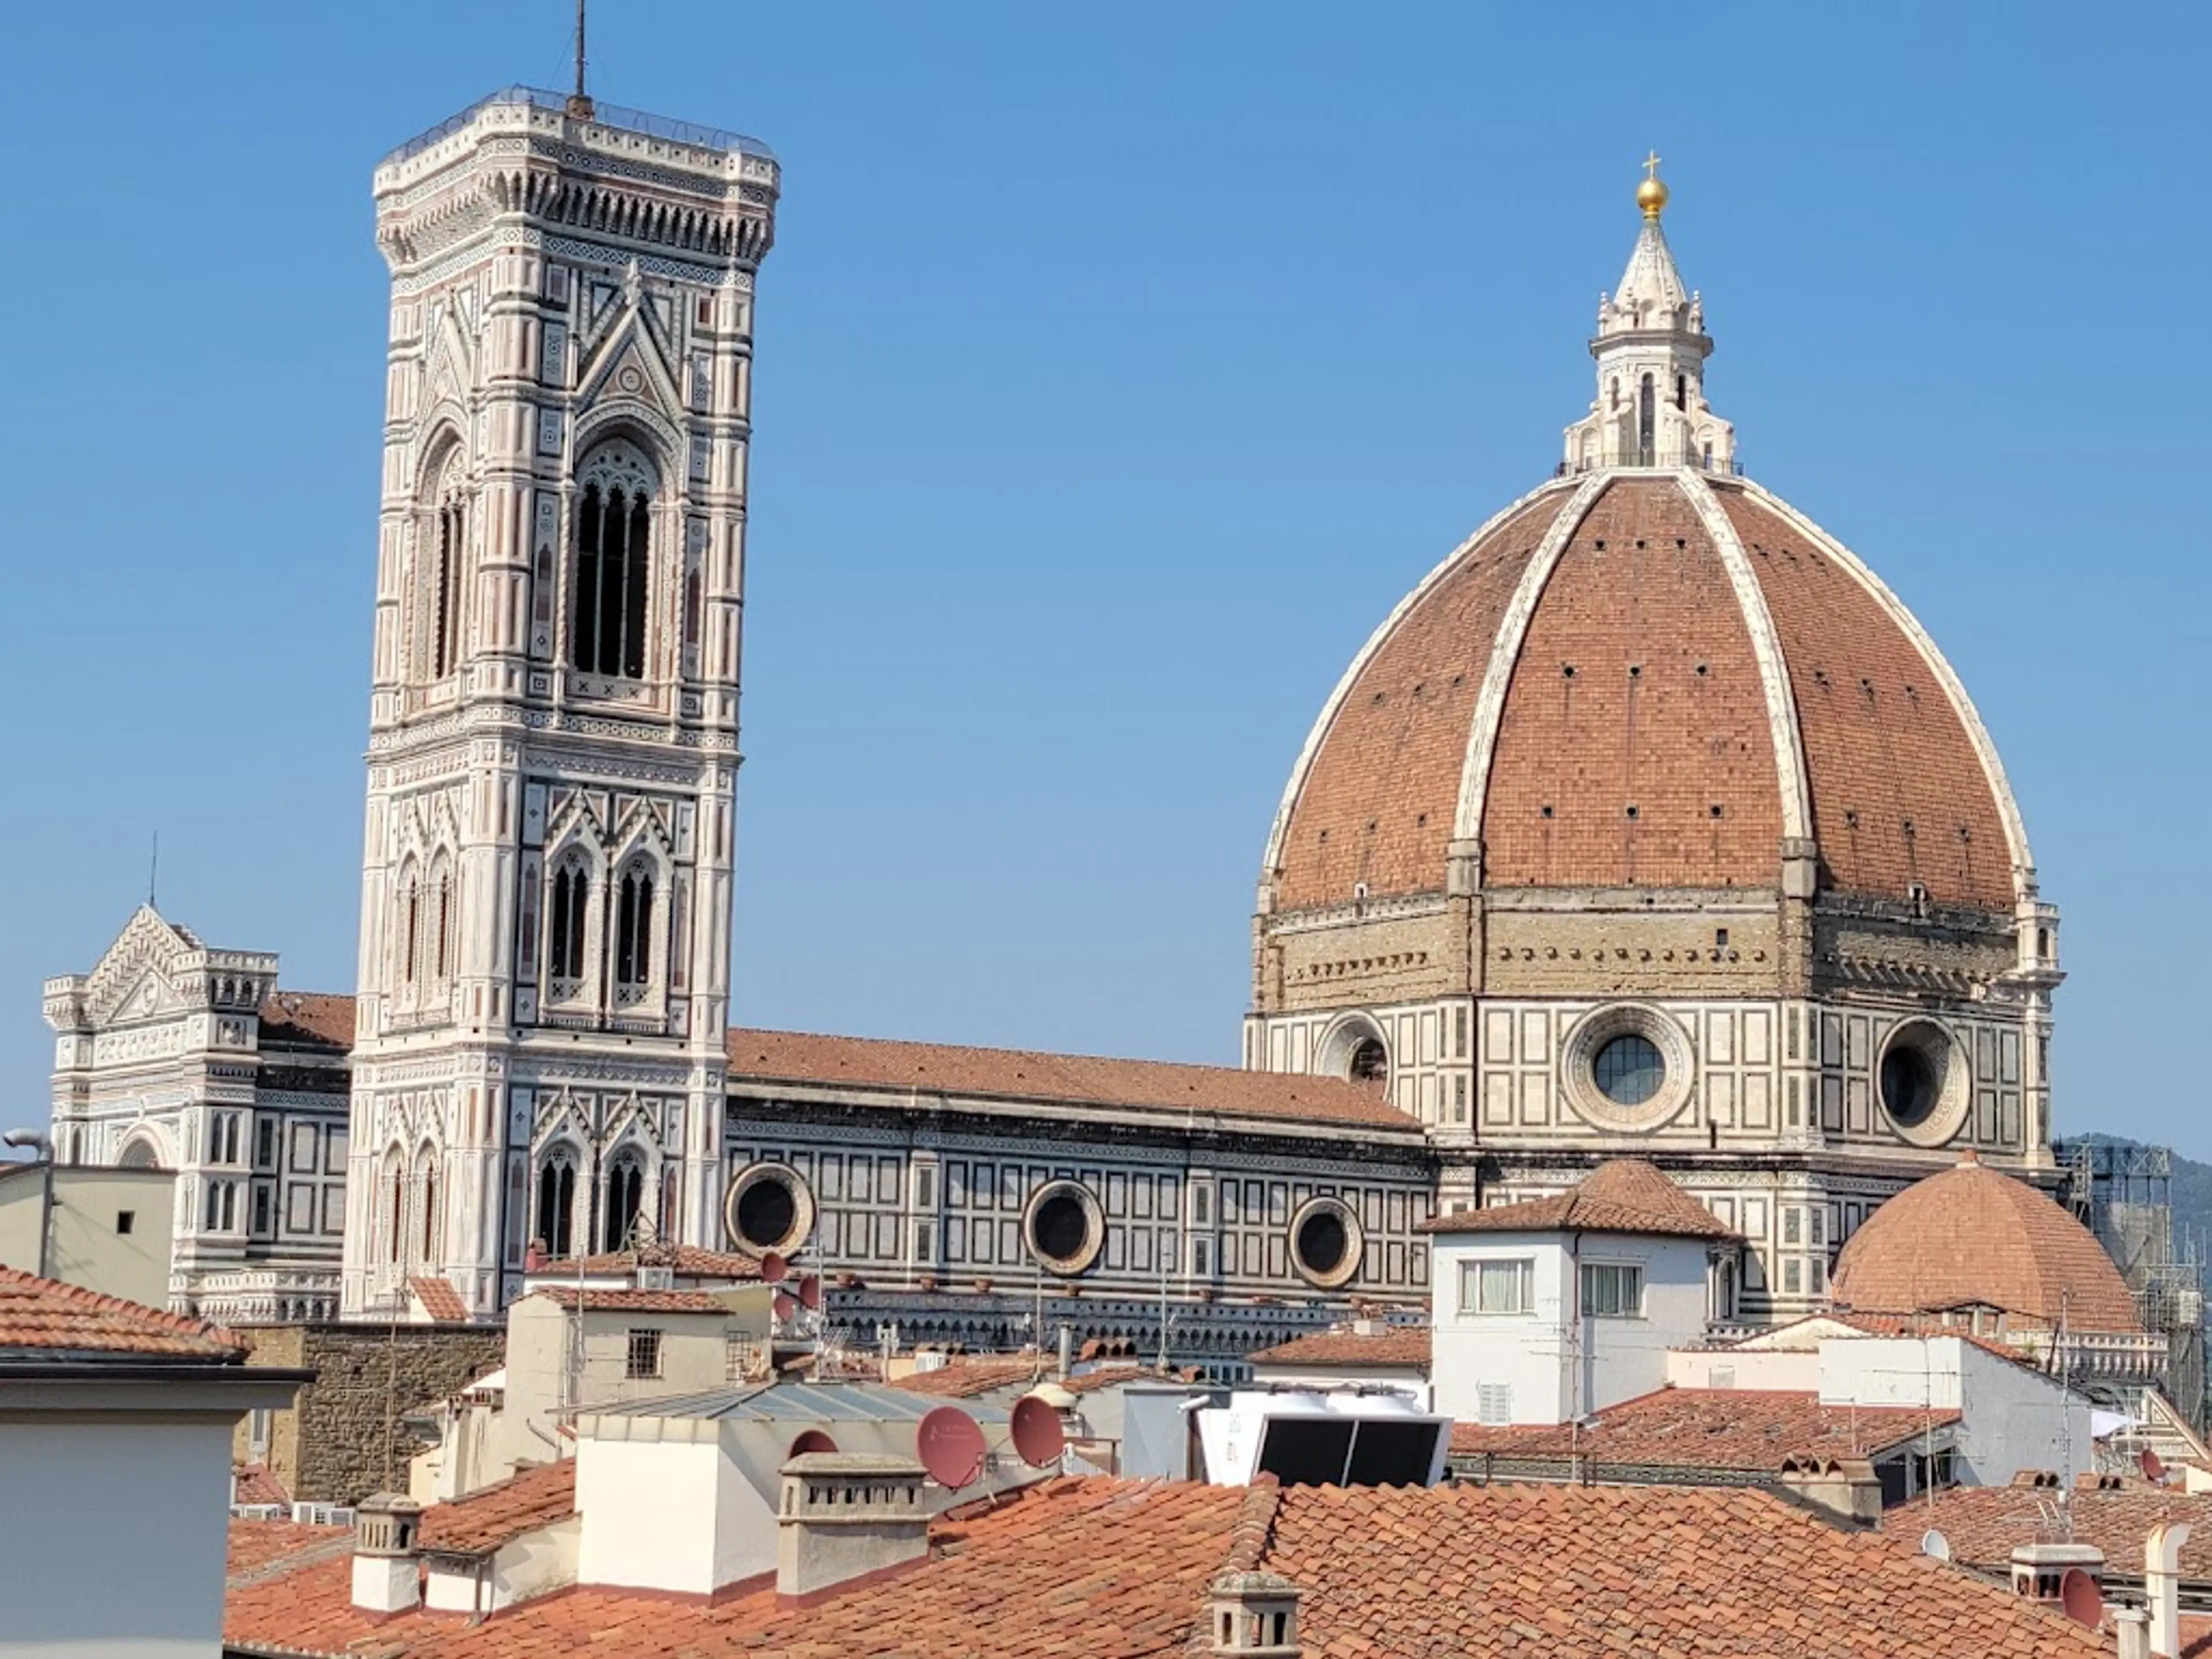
x=344 y=1437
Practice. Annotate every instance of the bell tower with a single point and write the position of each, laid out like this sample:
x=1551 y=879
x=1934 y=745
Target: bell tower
x=553 y=727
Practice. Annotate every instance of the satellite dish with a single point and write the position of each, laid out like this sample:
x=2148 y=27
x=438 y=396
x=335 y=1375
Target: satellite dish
x=787 y=1308
x=773 y=1268
x=1038 y=1434
x=1933 y=1543
x=2153 y=1466
x=950 y=1444
x=812 y=1440
x=2079 y=1599
x=810 y=1290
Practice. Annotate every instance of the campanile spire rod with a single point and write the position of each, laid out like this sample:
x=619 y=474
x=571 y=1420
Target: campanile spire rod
x=580 y=101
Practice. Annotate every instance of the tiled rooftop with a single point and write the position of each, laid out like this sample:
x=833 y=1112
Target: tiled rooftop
x=644 y=1302
x=307 y=1019
x=968 y=1379
x=1401 y=1346
x=1626 y=1196
x=1745 y=1430
x=41 y=1319
x=687 y=1260
x=439 y=1298
x=1118 y=1570
x=1984 y=1524
x=482 y=1521
x=1073 y=1080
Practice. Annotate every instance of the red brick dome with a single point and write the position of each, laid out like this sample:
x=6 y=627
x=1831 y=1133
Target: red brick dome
x=1972 y=1237
x=1648 y=678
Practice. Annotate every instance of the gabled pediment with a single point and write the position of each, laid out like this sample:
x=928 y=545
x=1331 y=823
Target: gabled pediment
x=141 y=964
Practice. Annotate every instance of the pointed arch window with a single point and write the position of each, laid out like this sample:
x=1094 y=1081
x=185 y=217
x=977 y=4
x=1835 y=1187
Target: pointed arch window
x=449 y=529
x=427 y=1165
x=614 y=534
x=411 y=925
x=625 y=1197
x=1647 y=416
x=557 y=1205
x=441 y=920
x=633 y=934
x=394 y=1219
x=567 y=913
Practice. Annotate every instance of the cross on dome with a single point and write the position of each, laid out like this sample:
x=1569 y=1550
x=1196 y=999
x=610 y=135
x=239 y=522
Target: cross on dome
x=1651 y=347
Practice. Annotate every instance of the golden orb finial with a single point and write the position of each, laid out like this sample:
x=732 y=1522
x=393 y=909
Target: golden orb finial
x=1651 y=195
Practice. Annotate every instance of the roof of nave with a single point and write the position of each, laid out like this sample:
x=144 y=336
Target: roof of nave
x=1119 y=1569
x=1622 y=1195
x=307 y=1019
x=1974 y=1237
x=1072 y=1081
x=43 y=1320
x=1985 y=1524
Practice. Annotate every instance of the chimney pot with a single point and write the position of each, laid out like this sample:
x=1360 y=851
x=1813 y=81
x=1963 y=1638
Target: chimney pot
x=2133 y=1624
x=2162 y=1579
x=1253 y=1615
x=387 y=1578
x=845 y=1515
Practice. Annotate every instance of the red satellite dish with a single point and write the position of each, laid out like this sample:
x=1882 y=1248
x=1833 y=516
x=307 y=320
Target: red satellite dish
x=949 y=1444
x=773 y=1268
x=787 y=1308
x=812 y=1440
x=810 y=1291
x=1038 y=1434
x=2153 y=1466
x=2079 y=1599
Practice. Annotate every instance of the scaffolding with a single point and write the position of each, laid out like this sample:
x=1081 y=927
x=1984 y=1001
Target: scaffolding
x=2123 y=1193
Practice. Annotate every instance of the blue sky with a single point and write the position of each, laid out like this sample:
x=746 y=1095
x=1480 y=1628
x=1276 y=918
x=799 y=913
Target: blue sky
x=1118 y=369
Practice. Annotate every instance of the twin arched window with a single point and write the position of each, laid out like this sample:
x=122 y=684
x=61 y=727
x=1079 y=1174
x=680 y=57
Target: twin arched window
x=614 y=534
x=556 y=1204
x=450 y=530
x=565 y=919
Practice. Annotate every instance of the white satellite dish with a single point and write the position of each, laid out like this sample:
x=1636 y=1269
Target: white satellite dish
x=1933 y=1543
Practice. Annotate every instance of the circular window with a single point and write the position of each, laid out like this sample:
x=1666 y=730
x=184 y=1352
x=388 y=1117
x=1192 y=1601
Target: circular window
x=768 y=1208
x=1627 y=1067
x=1923 y=1077
x=1064 y=1227
x=1370 y=1066
x=1325 y=1242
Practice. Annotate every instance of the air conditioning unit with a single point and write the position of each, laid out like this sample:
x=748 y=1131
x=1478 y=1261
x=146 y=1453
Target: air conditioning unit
x=1316 y=1438
x=322 y=1514
x=656 y=1279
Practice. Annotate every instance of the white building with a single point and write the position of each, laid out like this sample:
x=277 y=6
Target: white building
x=115 y=1437
x=1547 y=1311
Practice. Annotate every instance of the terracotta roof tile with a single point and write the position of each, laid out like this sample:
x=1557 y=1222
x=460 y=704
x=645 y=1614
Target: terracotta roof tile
x=1972 y=1235
x=307 y=1019
x=439 y=1299
x=264 y=1550
x=1400 y=1346
x=483 y=1520
x=44 y=1319
x=645 y=1301
x=1630 y=1572
x=968 y=1378
x=1745 y=1430
x=1984 y=1524
x=1626 y=1196
x=688 y=1260
x=1070 y=1080
x=253 y=1483
x=1119 y=1569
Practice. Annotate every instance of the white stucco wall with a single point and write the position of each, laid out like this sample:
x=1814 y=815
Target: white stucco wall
x=2011 y=1418
x=669 y=1514
x=1744 y=1368
x=113 y=1536
x=1556 y=1363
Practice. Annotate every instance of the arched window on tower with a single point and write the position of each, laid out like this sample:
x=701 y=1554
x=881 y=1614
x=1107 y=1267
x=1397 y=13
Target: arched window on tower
x=614 y=534
x=567 y=912
x=556 y=1204
x=440 y=945
x=392 y=1189
x=426 y=1165
x=1682 y=392
x=410 y=942
x=633 y=934
x=1647 y=417
x=450 y=529
x=625 y=1196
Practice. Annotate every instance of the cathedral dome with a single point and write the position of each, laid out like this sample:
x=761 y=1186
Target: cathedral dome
x=1649 y=677
x=1971 y=1236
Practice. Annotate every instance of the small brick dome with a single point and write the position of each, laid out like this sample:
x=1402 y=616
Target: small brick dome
x=1657 y=678
x=1971 y=1236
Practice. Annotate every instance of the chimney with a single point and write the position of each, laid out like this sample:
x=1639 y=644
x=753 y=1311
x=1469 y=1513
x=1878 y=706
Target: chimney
x=2133 y=1624
x=386 y=1575
x=2039 y=1571
x=2162 y=1579
x=847 y=1515
x=1845 y=1492
x=1253 y=1615
x=1067 y=1350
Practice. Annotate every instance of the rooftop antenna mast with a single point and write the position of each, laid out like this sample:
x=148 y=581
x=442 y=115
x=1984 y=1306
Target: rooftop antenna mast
x=154 y=873
x=580 y=101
